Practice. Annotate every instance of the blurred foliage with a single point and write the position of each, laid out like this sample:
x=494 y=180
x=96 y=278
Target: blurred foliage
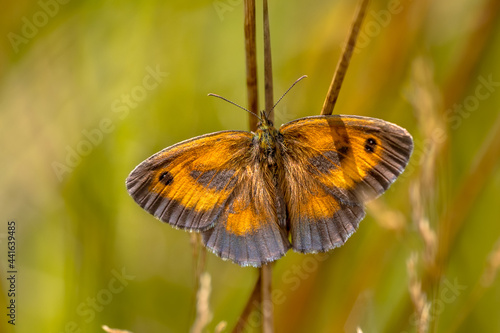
x=65 y=80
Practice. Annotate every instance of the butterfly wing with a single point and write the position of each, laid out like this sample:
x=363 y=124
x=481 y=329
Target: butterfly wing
x=213 y=184
x=249 y=231
x=333 y=164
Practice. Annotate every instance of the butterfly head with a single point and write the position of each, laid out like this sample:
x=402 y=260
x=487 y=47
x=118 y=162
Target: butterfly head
x=264 y=121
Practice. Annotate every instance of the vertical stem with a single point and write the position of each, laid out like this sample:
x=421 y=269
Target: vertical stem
x=251 y=62
x=266 y=274
x=338 y=77
x=268 y=64
x=249 y=307
x=253 y=105
x=266 y=271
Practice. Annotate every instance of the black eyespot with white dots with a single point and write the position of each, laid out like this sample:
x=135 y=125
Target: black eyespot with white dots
x=166 y=178
x=370 y=145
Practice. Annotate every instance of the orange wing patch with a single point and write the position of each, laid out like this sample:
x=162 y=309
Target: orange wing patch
x=186 y=188
x=243 y=219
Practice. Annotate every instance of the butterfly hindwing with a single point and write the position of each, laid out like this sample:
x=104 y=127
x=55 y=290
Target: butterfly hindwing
x=333 y=165
x=248 y=232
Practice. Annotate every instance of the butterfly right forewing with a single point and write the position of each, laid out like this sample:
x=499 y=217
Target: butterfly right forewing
x=333 y=165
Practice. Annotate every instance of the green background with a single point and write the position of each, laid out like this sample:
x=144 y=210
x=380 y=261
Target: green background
x=77 y=228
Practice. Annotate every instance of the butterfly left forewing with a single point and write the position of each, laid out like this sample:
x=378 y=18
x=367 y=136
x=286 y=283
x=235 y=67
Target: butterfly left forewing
x=215 y=184
x=334 y=164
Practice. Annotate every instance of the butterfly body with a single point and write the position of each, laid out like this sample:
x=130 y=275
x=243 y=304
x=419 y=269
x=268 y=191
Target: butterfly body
x=253 y=196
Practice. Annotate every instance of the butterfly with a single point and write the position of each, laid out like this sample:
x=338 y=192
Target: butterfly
x=253 y=196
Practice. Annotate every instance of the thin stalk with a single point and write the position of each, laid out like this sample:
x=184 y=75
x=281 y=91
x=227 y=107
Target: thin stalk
x=343 y=64
x=251 y=62
x=266 y=271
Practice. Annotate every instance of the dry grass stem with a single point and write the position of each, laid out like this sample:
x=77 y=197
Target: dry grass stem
x=255 y=297
x=113 y=330
x=430 y=241
x=267 y=302
x=220 y=327
x=424 y=97
x=203 y=313
x=492 y=266
x=343 y=63
x=253 y=105
x=418 y=297
x=385 y=216
x=251 y=62
x=268 y=64
x=266 y=271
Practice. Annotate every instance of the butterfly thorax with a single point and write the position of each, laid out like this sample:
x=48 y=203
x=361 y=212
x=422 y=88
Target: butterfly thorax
x=267 y=139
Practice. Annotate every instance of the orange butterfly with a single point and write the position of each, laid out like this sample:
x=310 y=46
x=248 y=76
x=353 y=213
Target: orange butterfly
x=253 y=196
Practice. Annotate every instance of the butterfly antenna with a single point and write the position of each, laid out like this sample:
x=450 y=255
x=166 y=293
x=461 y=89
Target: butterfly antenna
x=286 y=92
x=218 y=96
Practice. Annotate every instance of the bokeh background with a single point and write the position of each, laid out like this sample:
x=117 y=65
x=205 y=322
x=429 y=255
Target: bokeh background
x=90 y=89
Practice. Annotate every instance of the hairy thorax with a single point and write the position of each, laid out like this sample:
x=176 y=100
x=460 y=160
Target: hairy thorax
x=267 y=144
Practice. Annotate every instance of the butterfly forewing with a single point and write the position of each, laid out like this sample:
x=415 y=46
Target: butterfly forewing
x=188 y=184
